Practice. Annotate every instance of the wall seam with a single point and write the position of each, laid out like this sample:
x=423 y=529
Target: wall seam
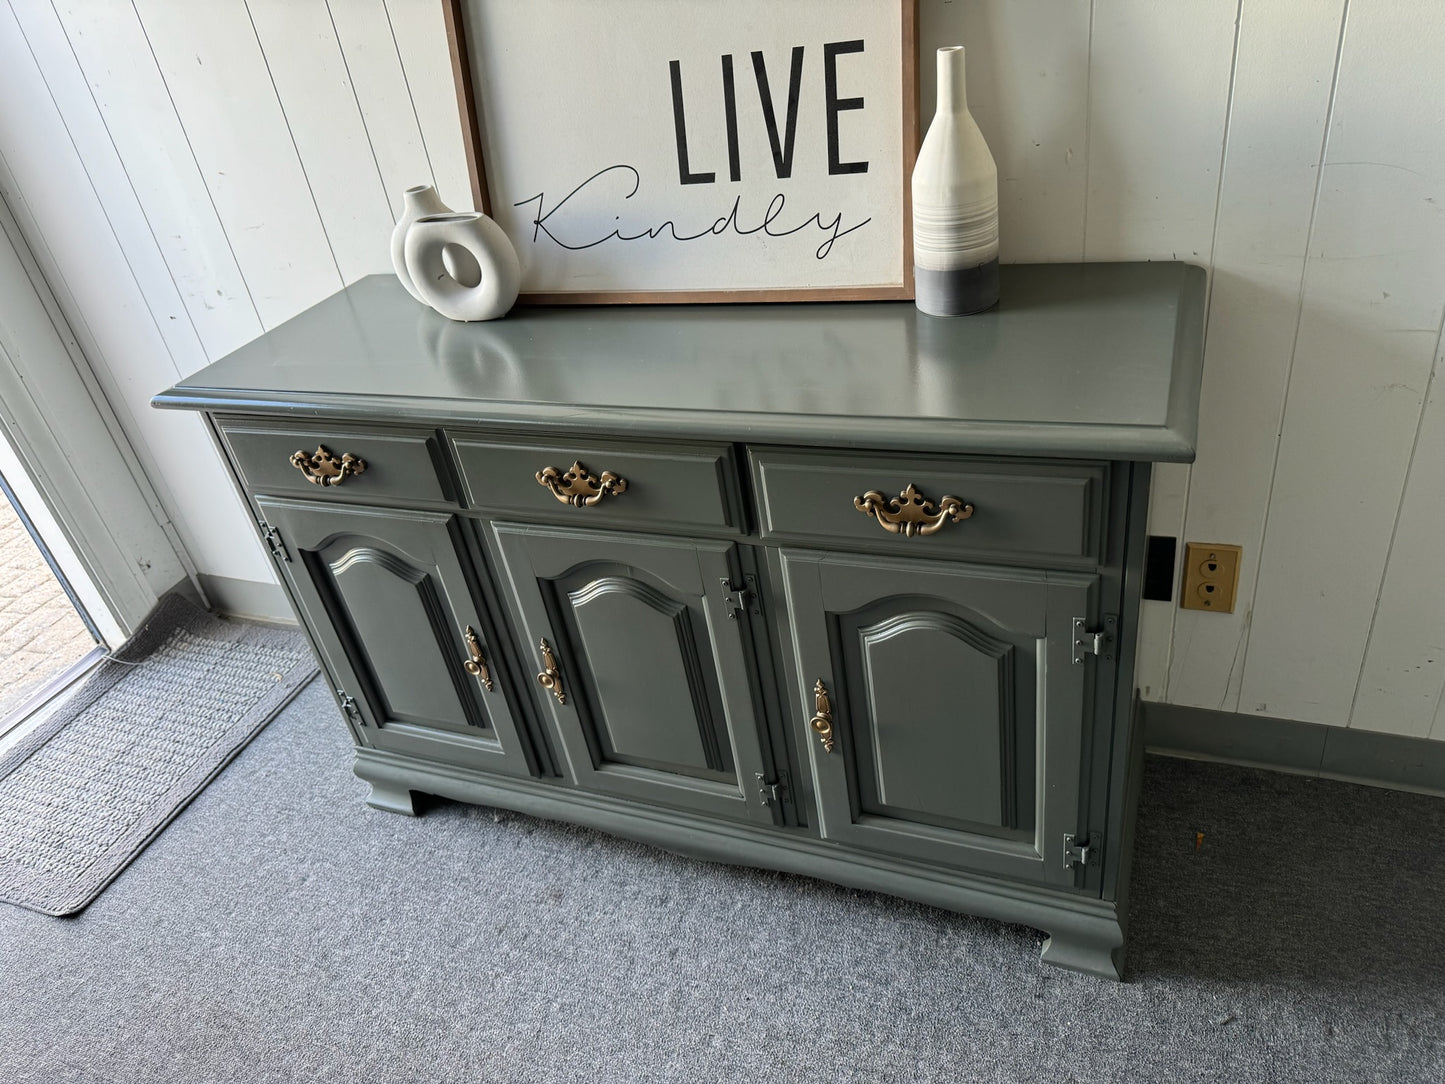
x=1436 y=719
x=1395 y=527
x=70 y=137
x=210 y=196
x=351 y=81
x=291 y=135
x=411 y=98
x=1208 y=316
x=150 y=226
x=1294 y=342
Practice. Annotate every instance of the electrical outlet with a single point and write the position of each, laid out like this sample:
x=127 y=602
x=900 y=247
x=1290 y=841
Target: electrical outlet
x=1211 y=576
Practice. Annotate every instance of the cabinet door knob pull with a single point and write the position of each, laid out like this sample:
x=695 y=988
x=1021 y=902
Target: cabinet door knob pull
x=910 y=512
x=321 y=468
x=551 y=677
x=579 y=487
x=822 y=720
x=476 y=665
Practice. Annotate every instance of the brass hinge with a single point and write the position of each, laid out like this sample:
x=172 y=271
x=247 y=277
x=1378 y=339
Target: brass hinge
x=737 y=600
x=1080 y=850
x=350 y=707
x=274 y=542
x=1098 y=642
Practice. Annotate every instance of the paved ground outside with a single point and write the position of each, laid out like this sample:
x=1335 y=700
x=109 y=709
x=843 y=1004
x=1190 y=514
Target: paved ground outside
x=40 y=632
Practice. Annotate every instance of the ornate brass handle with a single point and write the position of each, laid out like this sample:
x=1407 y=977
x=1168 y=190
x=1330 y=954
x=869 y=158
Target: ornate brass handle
x=476 y=665
x=324 y=469
x=910 y=512
x=578 y=486
x=822 y=721
x=551 y=677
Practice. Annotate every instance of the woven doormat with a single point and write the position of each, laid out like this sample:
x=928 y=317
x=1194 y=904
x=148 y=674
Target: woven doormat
x=83 y=795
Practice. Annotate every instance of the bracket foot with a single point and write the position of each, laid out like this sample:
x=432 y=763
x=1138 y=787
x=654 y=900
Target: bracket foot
x=1098 y=950
x=391 y=798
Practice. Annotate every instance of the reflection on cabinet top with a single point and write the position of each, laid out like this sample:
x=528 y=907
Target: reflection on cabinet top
x=1079 y=360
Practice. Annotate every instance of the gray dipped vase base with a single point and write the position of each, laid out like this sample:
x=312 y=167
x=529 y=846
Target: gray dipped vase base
x=959 y=292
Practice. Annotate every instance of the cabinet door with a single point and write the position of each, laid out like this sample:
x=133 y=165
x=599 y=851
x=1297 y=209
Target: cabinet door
x=957 y=710
x=388 y=598
x=657 y=702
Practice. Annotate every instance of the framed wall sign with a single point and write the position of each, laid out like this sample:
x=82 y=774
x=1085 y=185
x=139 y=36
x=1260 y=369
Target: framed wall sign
x=694 y=150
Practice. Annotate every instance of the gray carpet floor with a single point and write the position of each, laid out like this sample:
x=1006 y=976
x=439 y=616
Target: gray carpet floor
x=281 y=931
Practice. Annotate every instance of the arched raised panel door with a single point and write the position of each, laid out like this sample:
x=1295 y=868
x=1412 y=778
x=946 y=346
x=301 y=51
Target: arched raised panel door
x=387 y=597
x=957 y=712
x=905 y=659
x=657 y=697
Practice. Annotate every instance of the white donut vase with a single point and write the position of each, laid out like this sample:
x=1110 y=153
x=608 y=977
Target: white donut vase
x=499 y=273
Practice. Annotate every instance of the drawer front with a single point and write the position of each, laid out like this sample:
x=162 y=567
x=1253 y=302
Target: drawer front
x=1021 y=511
x=682 y=486
x=399 y=464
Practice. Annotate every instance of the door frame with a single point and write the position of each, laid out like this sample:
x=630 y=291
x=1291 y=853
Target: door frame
x=64 y=453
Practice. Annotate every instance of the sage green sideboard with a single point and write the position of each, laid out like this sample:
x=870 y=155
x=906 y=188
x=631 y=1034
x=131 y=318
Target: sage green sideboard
x=844 y=590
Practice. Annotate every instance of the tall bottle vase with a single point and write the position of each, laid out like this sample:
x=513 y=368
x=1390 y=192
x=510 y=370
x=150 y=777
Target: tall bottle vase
x=955 y=205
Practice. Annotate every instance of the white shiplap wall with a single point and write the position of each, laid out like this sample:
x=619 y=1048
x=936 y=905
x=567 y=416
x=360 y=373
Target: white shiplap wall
x=200 y=172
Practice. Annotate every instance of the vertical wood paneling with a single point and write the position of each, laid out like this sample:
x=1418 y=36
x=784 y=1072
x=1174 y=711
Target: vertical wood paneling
x=1404 y=670
x=309 y=73
x=218 y=80
x=1284 y=74
x=85 y=128
x=391 y=119
x=421 y=40
x=1367 y=339
x=1028 y=88
x=1159 y=83
x=1158 y=102
x=112 y=50
x=103 y=301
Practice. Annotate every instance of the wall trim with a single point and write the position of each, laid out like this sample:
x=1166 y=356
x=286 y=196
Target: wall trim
x=1328 y=752
x=249 y=599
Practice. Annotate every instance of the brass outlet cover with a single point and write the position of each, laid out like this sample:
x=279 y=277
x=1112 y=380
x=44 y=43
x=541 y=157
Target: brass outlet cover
x=1211 y=576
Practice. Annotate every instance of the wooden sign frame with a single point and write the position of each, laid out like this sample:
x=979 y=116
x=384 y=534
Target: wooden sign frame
x=460 y=24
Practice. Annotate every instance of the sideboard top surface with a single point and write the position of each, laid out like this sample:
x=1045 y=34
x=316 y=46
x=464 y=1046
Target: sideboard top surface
x=1089 y=360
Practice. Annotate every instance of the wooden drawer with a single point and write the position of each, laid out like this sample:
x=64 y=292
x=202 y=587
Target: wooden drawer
x=1023 y=512
x=401 y=465
x=678 y=486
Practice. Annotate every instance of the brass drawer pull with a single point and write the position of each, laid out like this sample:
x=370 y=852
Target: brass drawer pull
x=822 y=721
x=324 y=469
x=910 y=512
x=476 y=665
x=578 y=486
x=550 y=677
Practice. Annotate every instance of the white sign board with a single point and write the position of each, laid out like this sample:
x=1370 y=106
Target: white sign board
x=658 y=150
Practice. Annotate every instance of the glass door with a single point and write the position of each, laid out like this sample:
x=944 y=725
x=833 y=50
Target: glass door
x=46 y=637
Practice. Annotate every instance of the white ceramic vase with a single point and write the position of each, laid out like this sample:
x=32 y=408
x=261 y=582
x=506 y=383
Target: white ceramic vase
x=955 y=205
x=463 y=265
x=415 y=203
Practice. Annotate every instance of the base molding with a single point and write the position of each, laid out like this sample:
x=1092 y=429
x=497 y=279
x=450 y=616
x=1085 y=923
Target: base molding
x=1085 y=933
x=265 y=602
x=1329 y=752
